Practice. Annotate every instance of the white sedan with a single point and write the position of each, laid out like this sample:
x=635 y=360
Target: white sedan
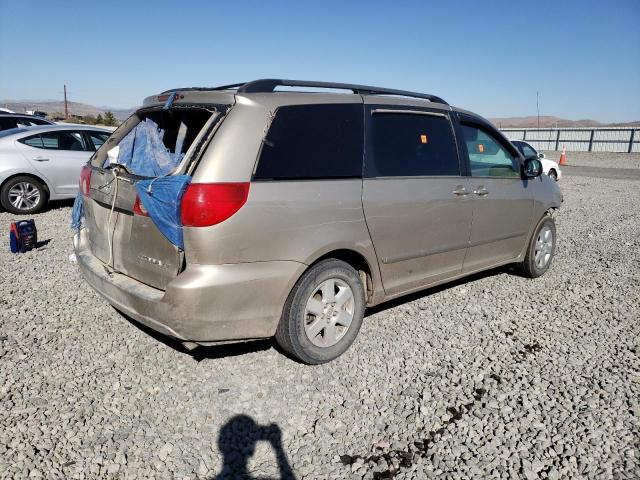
x=549 y=167
x=43 y=163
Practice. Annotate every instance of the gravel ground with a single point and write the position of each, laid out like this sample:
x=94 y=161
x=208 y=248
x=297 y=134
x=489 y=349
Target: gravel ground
x=597 y=159
x=495 y=376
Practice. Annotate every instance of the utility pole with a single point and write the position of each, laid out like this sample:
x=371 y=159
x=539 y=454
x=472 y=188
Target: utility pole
x=538 y=107
x=66 y=108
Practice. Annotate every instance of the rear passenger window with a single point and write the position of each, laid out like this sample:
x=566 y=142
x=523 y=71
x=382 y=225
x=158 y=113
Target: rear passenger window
x=33 y=141
x=407 y=145
x=313 y=141
x=7 y=123
x=63 y=141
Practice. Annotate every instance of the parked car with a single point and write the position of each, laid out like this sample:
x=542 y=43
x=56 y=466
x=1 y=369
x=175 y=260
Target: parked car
x=304 y=208
x=42 y=163
x=549 y=167
x=19 y=120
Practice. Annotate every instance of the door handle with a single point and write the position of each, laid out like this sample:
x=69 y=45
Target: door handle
x=481 y=191
x=41 y=159
x=460 y=191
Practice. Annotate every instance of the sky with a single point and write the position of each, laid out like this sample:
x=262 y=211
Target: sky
x=491 y=57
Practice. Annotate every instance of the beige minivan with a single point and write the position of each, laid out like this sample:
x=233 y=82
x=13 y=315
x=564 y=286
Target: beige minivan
x=284 y=208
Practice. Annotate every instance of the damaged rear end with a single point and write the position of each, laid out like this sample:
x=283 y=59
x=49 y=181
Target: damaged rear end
x=144 y=167
x=132 y=192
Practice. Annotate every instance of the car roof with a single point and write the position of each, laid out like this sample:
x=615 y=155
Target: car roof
x=24 y=115
x=266 y=91
x=20 y=132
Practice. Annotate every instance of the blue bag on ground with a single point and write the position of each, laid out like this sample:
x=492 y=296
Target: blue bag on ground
x=161 y=198
x=77 y=214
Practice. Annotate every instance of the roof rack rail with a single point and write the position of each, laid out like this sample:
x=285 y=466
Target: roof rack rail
x=269 y=85
x=204 y=89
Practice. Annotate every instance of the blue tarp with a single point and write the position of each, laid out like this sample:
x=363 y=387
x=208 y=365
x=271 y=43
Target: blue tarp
x=77 y=214
x=161 y=198
x=143 y=152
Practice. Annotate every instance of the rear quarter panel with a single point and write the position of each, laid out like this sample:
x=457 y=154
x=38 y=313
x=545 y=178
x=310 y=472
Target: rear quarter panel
x=288 y=220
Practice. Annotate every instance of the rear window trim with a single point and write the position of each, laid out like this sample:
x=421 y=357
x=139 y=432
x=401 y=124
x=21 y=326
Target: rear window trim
x=408 y=112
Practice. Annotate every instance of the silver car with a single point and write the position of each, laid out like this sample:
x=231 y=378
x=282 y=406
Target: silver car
x=42 y=163
x=301 y=209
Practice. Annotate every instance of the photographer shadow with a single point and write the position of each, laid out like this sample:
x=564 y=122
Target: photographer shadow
x=237 y=442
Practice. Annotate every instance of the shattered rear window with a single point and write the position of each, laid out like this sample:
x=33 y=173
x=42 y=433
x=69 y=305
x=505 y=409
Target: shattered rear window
x=157 y=145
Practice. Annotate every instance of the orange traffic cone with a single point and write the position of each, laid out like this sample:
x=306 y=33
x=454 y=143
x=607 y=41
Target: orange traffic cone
x=563 y=156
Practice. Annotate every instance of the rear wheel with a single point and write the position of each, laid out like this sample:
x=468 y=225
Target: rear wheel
x=553 y=175
x=23 y=195
x=542 y=247
x=323 y=313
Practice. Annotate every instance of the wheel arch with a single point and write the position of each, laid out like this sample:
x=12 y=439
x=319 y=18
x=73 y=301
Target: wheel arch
x=41 y=180
x=369 y=274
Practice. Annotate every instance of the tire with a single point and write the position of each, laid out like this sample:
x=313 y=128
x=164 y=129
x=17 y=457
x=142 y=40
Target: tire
x=23 y=195
x=311 y=308
x=544 y=241
x=553 y=175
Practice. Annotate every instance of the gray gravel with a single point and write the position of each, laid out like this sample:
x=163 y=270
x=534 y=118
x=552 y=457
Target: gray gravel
x=497 y=376
x=595 y=159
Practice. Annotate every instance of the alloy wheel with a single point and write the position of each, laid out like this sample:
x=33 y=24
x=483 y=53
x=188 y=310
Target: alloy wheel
x=543 y=248
x=24 y=196
x=329 y=312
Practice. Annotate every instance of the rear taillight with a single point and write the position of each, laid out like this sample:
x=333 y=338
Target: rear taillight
x=206 y=204
x=138 y=207
x=85 y=180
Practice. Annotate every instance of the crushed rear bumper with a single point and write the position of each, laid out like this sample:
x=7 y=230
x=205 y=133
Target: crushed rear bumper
x=204 y=303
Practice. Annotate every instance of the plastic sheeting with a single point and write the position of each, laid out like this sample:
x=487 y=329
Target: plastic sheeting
x=161 y=197
x=143 y=152
x=77 y=214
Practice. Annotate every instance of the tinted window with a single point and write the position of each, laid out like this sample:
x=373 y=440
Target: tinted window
x=313 y=141
x=407 y=144
x=8 y=122
x=487 y=156
x=63 y=141
x=29 y=122
x=97 y=138
x=33 y=141
x=526 y=150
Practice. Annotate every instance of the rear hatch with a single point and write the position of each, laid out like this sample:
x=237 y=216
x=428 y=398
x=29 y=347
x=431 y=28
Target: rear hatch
x=119 y=233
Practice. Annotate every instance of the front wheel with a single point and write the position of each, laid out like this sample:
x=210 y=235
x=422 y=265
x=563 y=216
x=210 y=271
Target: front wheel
x=553 y=175
x=541 y=249
x=323 y=313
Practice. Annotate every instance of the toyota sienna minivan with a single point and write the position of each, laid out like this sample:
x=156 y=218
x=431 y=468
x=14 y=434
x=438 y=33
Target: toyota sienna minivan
x=285 y=208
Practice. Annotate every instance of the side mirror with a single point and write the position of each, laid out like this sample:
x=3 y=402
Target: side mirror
x=541 y=155
x=532 y=168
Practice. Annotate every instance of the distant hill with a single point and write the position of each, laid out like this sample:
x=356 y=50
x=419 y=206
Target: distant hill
x=549 y=121
x=54 y=106
x=83 y=109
